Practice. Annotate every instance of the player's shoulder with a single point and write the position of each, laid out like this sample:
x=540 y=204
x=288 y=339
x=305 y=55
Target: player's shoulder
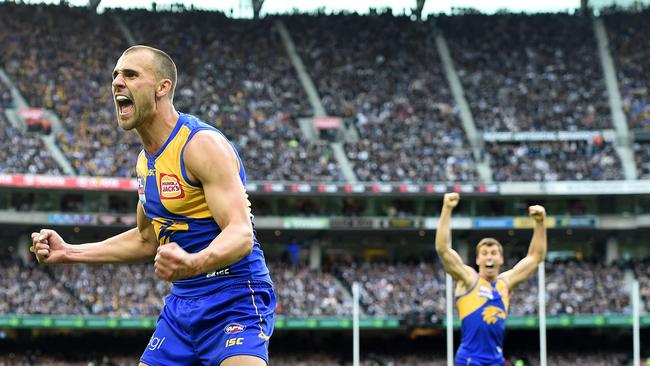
x=199 y=127
x=208 y=139
x=466 y=286
x=141 y=161
x=472 y=274
x=208 y=151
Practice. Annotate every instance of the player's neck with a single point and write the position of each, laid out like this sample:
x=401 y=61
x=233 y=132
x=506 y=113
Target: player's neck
x=489 y=278
x=156 y=132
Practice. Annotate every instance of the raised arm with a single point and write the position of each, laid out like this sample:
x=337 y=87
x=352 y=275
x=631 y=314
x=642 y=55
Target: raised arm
x=536 y=251
x=133 y=246
x=463 y=274
x=211 y=160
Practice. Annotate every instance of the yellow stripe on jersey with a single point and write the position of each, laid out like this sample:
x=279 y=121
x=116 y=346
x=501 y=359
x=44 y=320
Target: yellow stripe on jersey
x=470 y=301
x=504 y=291
x=164 y=228
x=177 y=195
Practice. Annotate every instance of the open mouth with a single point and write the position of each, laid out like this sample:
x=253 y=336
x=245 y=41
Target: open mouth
x=489 y=264
x=124 y=105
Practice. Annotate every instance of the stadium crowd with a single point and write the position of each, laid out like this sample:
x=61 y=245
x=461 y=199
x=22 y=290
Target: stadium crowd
x=573 y=287
x=406 y=120
x=642 y=272
x=29 y=289
x=21 y=152
x=301 y=291
x=388 y=289
x=251 y=93
x=642 y=158
x=553 y=161
x=576 y=287
x=137 y=293
x=545 y=76
x=407 y=123
x=627 y=33
x=60 y=68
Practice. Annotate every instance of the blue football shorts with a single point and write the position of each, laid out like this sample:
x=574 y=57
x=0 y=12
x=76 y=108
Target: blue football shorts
x=237 y=320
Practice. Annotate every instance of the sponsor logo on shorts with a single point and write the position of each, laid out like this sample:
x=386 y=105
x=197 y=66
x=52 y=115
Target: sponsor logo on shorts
x=170 y=187
x=233 y=328
x=155 y=343
x=234 y=342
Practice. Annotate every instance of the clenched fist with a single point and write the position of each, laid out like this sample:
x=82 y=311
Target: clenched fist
x=451 y=200
x=48 y=246
x=173 y=263
x=537 y=212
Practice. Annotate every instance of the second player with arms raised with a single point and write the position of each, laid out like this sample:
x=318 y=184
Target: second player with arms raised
x=483 y=298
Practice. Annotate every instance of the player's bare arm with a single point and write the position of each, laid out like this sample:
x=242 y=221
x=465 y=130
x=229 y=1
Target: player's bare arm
x=228 y=203
x=464 y=275
x=133 y=246
x=536 y=251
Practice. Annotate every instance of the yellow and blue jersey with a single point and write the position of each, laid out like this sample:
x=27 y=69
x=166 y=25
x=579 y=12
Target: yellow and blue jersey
x=179 y=211
x=483 y=311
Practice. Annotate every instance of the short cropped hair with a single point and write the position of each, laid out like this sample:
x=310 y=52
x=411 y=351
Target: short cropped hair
x=165 y=66
x=489 y=242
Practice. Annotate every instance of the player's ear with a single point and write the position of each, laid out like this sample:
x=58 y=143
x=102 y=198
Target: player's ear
x=477 y=260
x=163 y=88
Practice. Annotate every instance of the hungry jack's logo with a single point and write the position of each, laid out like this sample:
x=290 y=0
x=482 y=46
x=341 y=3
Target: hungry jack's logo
x=170 y=187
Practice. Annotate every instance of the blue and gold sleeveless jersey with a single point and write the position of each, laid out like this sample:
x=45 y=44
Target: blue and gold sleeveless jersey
x=483 y=310
x=179 y=211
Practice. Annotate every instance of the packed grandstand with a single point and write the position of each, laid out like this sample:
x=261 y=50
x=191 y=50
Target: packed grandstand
x=392 y=91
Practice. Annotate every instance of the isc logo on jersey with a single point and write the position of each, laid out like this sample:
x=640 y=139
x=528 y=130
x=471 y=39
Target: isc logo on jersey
x=170 y=187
